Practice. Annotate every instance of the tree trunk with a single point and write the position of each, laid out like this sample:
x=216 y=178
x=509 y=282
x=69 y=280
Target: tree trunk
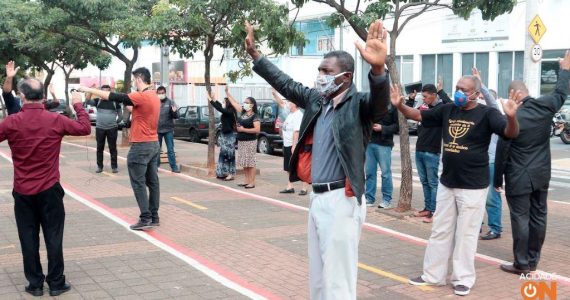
x=47 y=81
x=208 y=54
x=126 y=89
x=406 y=188
x=68 y=104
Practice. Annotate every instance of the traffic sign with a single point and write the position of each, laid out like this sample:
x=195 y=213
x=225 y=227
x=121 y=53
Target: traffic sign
x=536 y=53
x=536 y=29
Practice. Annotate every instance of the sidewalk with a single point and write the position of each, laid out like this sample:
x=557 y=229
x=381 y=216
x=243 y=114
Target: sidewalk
x=217 y=241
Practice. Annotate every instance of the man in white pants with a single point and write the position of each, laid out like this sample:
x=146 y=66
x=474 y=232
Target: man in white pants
x=330 y=155
x=462 y=192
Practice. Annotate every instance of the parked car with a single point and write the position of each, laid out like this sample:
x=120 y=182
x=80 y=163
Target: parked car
x=61 y=108
x=91 y=109
x=192 y=122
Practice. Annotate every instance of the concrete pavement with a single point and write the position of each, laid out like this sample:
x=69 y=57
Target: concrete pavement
x=220 y=241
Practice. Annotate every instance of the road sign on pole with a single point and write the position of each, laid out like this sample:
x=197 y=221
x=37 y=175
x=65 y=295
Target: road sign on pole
x=536 y=29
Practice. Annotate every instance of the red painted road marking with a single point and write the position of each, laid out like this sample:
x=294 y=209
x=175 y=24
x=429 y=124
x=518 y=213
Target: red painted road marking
x=216 y=272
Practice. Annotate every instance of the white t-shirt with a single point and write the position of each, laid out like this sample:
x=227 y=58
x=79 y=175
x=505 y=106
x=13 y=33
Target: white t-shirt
x=291 y=124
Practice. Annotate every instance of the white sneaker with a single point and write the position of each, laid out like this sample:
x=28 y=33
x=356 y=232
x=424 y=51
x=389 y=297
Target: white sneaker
x=385 y=205
x=370 y=204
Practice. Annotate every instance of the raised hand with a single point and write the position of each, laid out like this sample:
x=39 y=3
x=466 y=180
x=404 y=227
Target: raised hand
x=476 y=73
x=439 y=83
x=11 y=69
x=511 y=105
x=250 y=46
x=212 y=96
x=565 y=62
x=75 y=98
x=376 y=49
x=396 y=96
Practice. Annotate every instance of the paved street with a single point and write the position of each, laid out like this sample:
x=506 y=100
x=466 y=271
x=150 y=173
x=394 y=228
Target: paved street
x=217 y=241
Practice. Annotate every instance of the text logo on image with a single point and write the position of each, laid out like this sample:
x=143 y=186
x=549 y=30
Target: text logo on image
x=538 y=290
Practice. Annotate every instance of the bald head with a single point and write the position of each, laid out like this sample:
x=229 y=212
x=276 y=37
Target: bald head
x=518 y=85
x=32 y=89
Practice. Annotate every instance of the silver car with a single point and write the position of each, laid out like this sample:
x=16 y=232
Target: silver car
x=91 y=109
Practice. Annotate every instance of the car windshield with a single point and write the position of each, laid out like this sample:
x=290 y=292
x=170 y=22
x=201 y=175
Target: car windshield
x=217 y=114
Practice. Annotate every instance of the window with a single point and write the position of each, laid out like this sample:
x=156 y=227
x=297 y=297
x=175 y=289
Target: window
x=440 y=65
x=479 y=60
x=549 y=71
x=511 y=67
x=318 y=35
x=267 y=112
x=192 y=112
x=182 y=111
x=405 y=65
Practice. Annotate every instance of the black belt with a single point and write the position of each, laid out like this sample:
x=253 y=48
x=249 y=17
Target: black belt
x=325 y=187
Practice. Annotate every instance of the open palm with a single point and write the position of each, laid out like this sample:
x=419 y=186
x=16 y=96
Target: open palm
x=511 y=105
x=11 y=69
x=375 y=50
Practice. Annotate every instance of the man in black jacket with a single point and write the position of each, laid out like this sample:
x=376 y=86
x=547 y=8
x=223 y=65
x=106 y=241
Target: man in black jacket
x=330 y=153
x=379 y=152
x=525 y=162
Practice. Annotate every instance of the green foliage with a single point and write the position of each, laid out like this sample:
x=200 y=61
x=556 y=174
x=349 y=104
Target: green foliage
x=189 y=26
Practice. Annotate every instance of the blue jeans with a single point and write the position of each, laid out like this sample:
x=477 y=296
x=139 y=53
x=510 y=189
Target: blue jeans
x=494 y=204
x=427 y=164
x=378 y=155
x=169 y=138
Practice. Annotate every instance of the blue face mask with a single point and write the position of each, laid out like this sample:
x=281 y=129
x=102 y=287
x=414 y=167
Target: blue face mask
x=460 y=99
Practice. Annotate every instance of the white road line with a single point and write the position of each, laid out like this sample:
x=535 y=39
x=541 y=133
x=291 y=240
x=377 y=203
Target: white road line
x=302 y=208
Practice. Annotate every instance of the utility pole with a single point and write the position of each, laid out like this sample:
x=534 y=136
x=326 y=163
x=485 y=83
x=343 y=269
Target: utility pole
x=164 y=69
x=531 y=68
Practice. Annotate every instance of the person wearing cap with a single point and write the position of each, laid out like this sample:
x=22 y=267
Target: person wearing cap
x=106 y=128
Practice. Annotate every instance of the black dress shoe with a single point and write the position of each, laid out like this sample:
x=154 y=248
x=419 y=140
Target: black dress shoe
x=37 y=292
x=287 y=191
x=491 y=236
x=56 y=292
x=511 y=269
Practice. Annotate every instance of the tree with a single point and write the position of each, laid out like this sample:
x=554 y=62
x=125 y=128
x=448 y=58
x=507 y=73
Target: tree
x=402 y=13
x=74 y=56
x=112 y=26
x=189 y=26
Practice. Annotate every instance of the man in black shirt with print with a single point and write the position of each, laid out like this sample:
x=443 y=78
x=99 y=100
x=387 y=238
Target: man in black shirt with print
x=466 y=128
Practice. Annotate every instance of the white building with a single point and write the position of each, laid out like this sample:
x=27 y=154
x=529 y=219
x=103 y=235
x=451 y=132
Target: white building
x=436 y=44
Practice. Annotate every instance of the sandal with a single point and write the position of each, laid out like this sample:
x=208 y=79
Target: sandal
x=229 y=178
x=303 y=193
x=287 y=191
x=242 y=184
x=249 y=186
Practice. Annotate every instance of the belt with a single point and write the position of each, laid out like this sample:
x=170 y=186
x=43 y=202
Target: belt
x=325 y=187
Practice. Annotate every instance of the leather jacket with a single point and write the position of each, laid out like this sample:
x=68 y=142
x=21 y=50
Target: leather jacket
x=352 y=123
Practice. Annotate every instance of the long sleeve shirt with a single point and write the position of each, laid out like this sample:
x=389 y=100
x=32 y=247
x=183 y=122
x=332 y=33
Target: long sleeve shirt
x=390 y=127
x=34 y=136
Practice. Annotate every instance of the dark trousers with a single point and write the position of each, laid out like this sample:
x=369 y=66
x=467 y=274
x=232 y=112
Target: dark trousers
x=44 y=209
x=528 y=222
x=142 y=162
x=111 y=136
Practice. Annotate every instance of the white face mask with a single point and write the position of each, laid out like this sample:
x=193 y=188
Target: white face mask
x=325 y=84
x=161 y=96
x=247 y=106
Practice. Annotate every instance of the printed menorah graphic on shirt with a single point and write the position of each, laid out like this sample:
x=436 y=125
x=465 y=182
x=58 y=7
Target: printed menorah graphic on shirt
x=458 y=129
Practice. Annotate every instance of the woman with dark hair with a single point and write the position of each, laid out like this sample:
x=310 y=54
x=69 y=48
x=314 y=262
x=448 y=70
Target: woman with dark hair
x=247 y=126
x=226 y=168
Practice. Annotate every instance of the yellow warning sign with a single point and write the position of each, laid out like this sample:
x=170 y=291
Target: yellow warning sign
x=536 y=29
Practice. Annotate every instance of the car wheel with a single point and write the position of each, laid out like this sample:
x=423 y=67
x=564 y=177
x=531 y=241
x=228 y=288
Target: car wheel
x=263 y=145
x=194 y=136
x=565 y=136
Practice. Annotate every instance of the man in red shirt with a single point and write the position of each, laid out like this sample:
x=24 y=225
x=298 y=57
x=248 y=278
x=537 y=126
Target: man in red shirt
x=34 y=135
x=143 y=157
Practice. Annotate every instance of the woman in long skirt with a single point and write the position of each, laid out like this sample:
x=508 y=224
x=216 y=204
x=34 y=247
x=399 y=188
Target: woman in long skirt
x=226 y=168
